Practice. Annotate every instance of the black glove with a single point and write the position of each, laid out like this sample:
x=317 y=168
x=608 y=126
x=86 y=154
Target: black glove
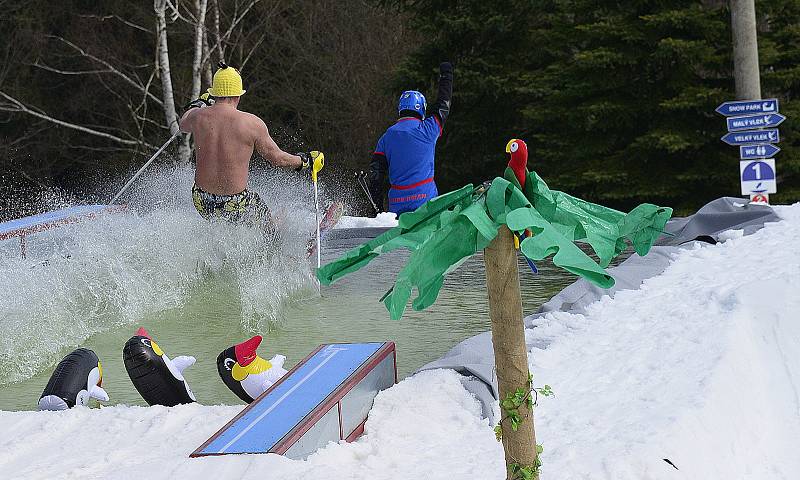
x=306 y=158
x=203 y=101
x=445 y=67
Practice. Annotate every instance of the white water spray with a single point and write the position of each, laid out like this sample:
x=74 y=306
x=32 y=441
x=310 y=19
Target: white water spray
x=82 y=279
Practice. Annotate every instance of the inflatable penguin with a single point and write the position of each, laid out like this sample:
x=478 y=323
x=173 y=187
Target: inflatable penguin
x=158 y=379
x=247 y=374
x=76 y=379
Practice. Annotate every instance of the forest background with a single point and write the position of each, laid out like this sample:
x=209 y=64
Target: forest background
x=615 y=99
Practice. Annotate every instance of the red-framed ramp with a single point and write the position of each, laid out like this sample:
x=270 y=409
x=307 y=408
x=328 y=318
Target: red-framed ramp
x=326 y=397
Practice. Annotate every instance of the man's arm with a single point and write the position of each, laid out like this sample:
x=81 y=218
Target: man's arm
x=267 y=148
x=443 y=99
x=378 y=170
x=186 y=122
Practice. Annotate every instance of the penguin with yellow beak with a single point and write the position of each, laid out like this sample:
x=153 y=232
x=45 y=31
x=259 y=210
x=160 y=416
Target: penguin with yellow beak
x=245 y=373
x=76 y=380
x=158 y=378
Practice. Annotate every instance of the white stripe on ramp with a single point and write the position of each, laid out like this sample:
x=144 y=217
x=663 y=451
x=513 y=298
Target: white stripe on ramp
x=333 y=351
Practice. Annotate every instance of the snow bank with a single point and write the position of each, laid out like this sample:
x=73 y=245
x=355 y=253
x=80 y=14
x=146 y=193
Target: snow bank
x=385 y=219
x=436 y=435
x=700 y=366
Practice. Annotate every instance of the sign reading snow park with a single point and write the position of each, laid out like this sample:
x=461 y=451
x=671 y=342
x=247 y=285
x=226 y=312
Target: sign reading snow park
x=752 y=137
x=757 y=151
x=745 y=107
x=758 y=176
x=736 y=124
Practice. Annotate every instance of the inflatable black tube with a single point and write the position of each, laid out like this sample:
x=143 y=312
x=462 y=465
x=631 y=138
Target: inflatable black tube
x=225 y=362
x=72 y=382
x=147 y=367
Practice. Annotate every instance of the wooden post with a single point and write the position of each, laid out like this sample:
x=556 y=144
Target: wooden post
x=508 y=338
x=745 y=50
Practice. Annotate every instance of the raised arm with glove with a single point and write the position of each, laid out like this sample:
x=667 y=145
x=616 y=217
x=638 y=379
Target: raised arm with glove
x=405 y=153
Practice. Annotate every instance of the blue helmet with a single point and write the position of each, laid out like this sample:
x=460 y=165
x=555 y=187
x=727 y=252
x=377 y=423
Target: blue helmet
x=414 y=101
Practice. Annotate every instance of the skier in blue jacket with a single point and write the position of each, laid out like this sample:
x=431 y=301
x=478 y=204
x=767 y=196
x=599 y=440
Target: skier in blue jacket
x=406 y=150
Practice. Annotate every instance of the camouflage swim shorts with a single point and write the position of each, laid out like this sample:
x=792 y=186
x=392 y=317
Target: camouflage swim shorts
x=245 y=207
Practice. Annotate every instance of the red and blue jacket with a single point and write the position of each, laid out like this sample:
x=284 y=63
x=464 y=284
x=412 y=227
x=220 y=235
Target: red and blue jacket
x=406 y=151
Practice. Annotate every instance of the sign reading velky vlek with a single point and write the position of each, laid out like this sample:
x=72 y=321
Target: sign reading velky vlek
x=745 y=107
x=752 y=137
x=758 y=176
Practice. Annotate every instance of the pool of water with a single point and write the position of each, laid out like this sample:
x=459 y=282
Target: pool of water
x=200 y=288
x=211 y=319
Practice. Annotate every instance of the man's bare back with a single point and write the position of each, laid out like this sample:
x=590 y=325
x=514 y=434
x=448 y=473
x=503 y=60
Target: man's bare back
x=225 y=139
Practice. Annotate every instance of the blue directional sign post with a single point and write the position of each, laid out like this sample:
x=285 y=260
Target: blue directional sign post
x=747 y=152
x=752 y=137
x=747 y=107
x=758 y=176
x=750 y=127
x=746 y=122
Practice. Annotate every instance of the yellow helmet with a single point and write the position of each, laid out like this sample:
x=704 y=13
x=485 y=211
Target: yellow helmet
x=227 y=82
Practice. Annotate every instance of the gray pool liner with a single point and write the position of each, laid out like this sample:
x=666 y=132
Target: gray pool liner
x=474 y=357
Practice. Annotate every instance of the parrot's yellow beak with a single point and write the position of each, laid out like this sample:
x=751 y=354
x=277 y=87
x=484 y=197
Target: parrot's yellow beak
x=508 y=145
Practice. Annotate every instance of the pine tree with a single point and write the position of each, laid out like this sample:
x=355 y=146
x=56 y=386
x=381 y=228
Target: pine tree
x=616 y=99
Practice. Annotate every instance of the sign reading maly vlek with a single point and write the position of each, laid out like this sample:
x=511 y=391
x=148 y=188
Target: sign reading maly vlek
x=761 y=120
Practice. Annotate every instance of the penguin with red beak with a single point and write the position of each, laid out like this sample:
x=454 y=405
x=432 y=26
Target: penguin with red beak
x=245 y=373
x=158 y=378
x=77 y=379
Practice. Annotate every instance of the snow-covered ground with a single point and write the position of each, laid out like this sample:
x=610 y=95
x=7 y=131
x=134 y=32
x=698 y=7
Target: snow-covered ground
x=385 y=219
x=700 y=366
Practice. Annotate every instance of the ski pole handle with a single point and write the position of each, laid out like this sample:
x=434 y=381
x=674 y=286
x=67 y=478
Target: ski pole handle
x=319 y=162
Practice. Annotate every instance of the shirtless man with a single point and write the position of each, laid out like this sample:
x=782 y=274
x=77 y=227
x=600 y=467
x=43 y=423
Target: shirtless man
x=225 y=139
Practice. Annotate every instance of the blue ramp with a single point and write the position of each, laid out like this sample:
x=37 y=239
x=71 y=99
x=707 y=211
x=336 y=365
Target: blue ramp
x=326 y=397
x=45 y=221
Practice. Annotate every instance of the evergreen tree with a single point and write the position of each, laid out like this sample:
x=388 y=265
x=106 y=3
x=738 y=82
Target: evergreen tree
x=615 y=99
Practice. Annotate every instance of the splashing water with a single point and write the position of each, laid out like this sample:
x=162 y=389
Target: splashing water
x=82 y=279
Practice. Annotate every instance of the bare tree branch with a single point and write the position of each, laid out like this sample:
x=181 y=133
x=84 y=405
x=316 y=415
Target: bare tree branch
x=111 y=68
x=103 y=18
x=43 y=66
x=17 y=106
x=253 y=49
x=237 y=19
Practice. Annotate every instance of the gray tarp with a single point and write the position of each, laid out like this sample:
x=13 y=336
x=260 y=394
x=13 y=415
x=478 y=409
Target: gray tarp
x=474 y=357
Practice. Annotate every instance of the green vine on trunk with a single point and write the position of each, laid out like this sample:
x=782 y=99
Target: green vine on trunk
x=510 y=412
x=527 y=472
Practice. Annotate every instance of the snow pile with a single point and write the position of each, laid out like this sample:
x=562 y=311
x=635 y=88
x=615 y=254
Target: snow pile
x=385 y=219
x=700 y=366
x=436 y=435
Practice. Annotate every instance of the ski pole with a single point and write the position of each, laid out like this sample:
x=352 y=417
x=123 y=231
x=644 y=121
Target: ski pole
x=136 y=175
x=319 y=162
x=362 y=181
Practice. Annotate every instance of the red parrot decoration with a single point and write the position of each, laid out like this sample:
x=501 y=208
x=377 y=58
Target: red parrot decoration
x=518 y=159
